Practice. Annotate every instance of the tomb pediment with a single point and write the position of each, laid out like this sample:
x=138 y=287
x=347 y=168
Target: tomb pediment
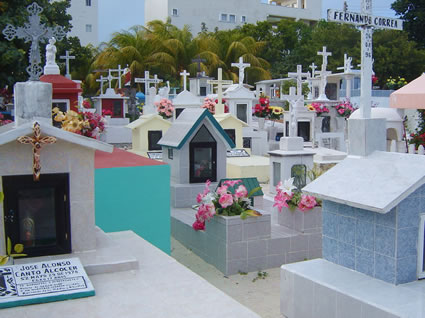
x=236 y=91
x=187 y=98
x=378 y=182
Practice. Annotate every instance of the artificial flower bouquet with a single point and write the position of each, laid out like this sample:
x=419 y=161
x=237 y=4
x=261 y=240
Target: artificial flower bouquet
x=287 y=195
x=106 y=112
x=276 y=112
x=344 y=109
x=82 y=123
x=165 y=108
x=223 y=202
x=262 y=109
x=318 y=108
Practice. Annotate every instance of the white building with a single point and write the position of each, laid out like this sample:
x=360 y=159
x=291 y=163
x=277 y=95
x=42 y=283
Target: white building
x=225 y=14
x=84 y=21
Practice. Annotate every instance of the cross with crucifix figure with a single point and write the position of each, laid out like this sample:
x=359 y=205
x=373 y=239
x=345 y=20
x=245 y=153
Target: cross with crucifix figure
x=347 y=64
x=101 y=80
x=67 y=57
x=198 y=60
x=35 y=32
x=299 y=75
x=293 y=99
x=324 y=74
x=36 y=142
x=367 y=22
x=185 y=75
x=241 y=66
x=219 y=107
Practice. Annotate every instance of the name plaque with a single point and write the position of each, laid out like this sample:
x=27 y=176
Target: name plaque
x=360 y=19
x=43 y=282
x=237 y=153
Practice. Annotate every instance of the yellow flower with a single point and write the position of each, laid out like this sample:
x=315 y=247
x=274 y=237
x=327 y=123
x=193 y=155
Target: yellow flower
x=277 y=110
x=311 y=108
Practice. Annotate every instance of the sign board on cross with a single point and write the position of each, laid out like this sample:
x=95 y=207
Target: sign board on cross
x=147 y=80
x=367 y=21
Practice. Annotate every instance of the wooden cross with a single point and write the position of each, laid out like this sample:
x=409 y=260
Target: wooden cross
x=198 y=60
x=67 y=57
x=241 y=66
x=35 y=32
x=299 y=77
x=36 y=142
x=101 y=80
x=367 y=22
x=185 y=75
x=219 y=107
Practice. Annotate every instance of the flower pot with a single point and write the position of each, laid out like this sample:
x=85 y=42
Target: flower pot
x=318 y=123
x=340 y=123
x=261 y=122
x=308 y=221
x=272 y=133
x=107 y=117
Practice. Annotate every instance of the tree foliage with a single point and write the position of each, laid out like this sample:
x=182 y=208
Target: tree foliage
x=413 y=14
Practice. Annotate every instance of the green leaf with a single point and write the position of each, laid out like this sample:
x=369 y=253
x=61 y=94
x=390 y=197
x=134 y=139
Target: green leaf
x=243 y=215
x=18 y=255
x=252 y=213
x=3 y=259
x=251 y=193
x=1 y=196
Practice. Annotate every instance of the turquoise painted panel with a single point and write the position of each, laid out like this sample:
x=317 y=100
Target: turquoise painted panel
x=137 y=199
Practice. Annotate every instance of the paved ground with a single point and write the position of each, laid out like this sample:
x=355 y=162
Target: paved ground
x=261 y=295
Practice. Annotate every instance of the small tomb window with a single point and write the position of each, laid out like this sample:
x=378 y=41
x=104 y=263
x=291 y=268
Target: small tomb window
x=170 y=153
x=326 y=124
x=299 y=173
x=203 y=91
x=331 y=91
x=88 y=28
x=153 y=137
x=304 y=130
x=241 y=110
x=232 y=134
x=276 y=173
x=179 y=111
x=63 y=107
x=117 y=108
x=247 y=142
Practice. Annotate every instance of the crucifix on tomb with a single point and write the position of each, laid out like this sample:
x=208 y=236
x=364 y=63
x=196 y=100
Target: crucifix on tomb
x=241 y=66
x=367 y=22
x=348 y=75
x=299 y=75
x=35 y=32
x=324 y=74
x=67 y=57
x=198 y=60
x=219 y=107
x=36 y=142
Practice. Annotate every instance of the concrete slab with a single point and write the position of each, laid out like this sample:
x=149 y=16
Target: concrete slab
x=162 y=287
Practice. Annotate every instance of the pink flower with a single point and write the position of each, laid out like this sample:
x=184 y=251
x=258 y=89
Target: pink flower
x=280 y=201
x=222 y=190
x=241 y=192
x=198 y=226
x=232 y=183
x=307 y=202
x=341 y=111
x=199 y=198
x=225 y=200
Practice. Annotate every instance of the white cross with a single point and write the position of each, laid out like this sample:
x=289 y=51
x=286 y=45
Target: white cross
x=241 y=66
x=111 y=78
x=347 y=64
x=219 y=107
x=120 y=72
x=101 y=80
x=185 y=75
x=156 y=80
x=145 y=80
x=325 y=57
x=67 y=57
x=313 y=70
x=293 y=99
x=299 y=77
x=366 y=21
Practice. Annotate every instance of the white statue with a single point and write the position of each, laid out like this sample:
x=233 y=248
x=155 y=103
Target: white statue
x=164 y=91
x=51 y=52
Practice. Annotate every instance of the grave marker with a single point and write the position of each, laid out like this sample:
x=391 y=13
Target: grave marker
x=367 y=22
x=241 y=66
x=299 y=77
x=185 y=75
x=219 y=107
x=67 y=57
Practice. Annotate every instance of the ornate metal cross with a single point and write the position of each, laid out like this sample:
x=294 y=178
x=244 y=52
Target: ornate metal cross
x=36 y=142
x=35 y=32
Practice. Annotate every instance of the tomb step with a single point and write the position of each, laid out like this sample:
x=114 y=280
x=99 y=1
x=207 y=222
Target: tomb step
x=108 y=257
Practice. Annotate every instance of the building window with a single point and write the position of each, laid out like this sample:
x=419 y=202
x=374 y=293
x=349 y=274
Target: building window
x=175 y=12
x=88 y=3
x=243 y=19
x=170 y=153
x=232 y=18
x=223 y=17
x=88 y=28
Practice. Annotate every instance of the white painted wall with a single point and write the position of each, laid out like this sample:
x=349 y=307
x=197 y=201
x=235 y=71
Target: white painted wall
x=193 y=13
x=83 y=15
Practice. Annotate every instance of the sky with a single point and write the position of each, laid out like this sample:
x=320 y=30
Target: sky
x=118 y=15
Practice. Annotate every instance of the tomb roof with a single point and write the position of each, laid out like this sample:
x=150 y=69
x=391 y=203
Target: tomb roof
x=236 y=91
x=186 y=98
x=47 y=129
x=378 y=182
x=144 y=119
x=187 y=122
x=390 y=114
x=228 y=116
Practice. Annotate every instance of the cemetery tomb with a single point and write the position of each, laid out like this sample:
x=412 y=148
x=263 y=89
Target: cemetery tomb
x=65 y=92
